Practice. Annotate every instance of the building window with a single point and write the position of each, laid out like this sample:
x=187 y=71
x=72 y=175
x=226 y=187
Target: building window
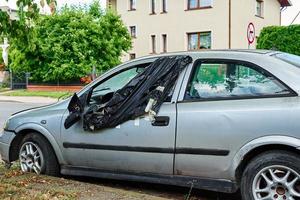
x=133 y=31
x=200 y=40
x=259 y=8
x=152 y=6
x=164 y=6
x=196 y=4
x=132 y=4
x=153 y=43
x=132 y=56
x=165 y=43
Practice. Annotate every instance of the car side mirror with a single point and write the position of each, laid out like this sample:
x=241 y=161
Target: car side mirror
x=75 y=108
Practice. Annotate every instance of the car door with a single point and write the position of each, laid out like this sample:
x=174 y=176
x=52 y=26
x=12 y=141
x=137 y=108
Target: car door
x=223 y=105
x=135 y=146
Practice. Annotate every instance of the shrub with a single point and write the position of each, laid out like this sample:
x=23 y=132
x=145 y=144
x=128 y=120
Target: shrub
x=281 y=38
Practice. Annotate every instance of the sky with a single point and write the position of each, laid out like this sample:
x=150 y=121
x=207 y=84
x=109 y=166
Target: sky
x=290 y=13
x=287 y=15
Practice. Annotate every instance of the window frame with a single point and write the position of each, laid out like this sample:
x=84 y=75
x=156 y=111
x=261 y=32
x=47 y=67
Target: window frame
x=164 y=43
x=198 y=5
x=262 y=4
x=132 y=56
x=199 y=41
x=152 y=7
x=251 y=65
x=132 y=5
x=153 y=44
x=131 y=28
x=164 y=6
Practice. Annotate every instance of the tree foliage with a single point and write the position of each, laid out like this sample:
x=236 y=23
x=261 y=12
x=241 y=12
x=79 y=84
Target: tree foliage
x=20 y=29
x=66 y=45
x=281 y=38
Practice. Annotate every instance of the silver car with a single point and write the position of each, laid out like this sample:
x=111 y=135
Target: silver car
x=231 y=122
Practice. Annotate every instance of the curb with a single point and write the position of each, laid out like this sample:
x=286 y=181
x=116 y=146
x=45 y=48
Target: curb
x=35 y=100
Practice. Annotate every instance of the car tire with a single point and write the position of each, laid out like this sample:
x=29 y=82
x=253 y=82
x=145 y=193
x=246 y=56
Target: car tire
x=36 y=155
x=273 y=174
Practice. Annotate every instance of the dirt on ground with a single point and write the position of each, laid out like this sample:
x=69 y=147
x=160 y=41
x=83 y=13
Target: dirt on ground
x=16 y=185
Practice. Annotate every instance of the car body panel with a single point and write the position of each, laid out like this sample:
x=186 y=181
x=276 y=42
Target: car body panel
x=205 y=139
x=210 y=126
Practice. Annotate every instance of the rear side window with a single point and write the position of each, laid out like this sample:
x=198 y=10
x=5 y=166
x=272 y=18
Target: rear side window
x=223 y=80
x=289 y=58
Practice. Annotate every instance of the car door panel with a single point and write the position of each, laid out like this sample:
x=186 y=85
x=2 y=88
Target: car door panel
x=228 y=125
x=135 y=146
x=211 y=131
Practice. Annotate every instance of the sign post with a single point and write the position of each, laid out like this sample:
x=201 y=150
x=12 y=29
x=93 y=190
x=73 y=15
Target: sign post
x=250 y=34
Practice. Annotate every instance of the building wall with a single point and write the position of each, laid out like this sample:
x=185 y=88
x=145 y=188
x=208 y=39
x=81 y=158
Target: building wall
x=242 y=17
x=178 y=21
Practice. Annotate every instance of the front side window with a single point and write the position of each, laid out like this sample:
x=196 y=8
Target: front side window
x=115 y=83
x=197 y=4
x=214 y=80
x=201 y=40
x=132 y=4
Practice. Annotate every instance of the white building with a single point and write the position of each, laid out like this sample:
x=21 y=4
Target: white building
x=159 y=26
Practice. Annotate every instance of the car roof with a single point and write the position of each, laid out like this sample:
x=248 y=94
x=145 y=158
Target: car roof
x=211 y=51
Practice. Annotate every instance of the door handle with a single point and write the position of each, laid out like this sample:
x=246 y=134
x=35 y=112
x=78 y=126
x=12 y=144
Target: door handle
x=161 y=121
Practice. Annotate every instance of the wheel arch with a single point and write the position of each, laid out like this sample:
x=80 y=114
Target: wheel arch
x=25 y=129
x=261 y=145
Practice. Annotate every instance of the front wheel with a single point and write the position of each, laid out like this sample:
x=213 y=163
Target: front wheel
x=272 y=175
x=36 y=155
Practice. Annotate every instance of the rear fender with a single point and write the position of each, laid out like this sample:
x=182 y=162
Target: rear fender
x=259 y=142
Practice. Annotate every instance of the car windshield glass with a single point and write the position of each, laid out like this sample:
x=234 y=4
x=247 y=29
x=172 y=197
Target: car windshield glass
x=289 y=58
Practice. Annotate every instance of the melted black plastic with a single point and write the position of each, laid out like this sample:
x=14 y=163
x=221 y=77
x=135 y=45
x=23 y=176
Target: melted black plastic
x=130 y=101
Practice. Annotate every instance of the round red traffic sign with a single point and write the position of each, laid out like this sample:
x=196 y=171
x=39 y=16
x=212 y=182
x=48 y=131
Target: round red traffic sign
x=251 y=33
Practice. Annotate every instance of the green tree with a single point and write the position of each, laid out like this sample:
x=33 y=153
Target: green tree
x=281 y=38
x=28 y=11
x=65 y=46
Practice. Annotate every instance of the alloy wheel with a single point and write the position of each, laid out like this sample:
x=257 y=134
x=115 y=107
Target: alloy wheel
x=31 y=158
x=276 y=182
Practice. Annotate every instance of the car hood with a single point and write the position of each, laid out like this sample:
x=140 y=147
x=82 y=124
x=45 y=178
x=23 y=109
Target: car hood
x=49 y=114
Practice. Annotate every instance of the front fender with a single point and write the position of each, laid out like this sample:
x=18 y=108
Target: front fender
x=40 y=129
x=259 y=142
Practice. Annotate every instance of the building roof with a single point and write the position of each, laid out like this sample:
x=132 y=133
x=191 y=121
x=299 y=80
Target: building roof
x=285 y=3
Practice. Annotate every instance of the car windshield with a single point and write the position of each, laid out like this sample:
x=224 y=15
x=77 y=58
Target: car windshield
x=289 y=58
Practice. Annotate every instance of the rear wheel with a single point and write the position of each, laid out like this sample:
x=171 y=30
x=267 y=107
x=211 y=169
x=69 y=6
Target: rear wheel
x=272 y=175
x=36 y=155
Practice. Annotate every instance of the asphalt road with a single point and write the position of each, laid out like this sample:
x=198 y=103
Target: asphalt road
x=8 y=108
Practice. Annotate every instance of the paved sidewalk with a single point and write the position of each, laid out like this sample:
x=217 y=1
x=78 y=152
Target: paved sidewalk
x=43 y=100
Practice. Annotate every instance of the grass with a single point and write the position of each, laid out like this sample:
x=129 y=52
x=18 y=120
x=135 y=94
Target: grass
x=4 y=89
x=28 y=186
x=54 y=94
x=16 y=185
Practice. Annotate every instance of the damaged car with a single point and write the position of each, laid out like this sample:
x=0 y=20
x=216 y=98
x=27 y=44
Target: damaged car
x=220 y=120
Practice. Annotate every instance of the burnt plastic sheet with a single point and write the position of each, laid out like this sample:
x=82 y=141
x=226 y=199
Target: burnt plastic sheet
x=144 y=94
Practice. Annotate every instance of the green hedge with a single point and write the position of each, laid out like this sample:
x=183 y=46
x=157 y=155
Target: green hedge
x=281 y=38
